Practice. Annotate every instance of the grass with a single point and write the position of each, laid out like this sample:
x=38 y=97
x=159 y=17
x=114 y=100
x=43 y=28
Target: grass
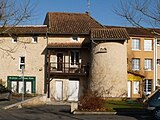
x=120 y=105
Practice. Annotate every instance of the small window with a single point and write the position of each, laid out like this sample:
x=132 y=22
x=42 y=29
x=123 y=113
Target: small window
x=135 y=64
x=74 y=57
x=21 y=62
x=158 y=42
x=14 y=40
x=135 y=44
x=75 y=38
x=148 y=64
x=147 y=45
x=158 y=61
x=34 y=39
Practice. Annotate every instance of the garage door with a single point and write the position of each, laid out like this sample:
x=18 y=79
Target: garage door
x=73 y=90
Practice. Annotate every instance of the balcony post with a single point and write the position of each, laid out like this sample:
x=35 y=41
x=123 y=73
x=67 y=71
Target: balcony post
x=48 y=72
x=64 y=64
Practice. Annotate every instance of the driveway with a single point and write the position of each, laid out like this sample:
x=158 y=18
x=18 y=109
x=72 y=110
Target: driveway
x=57 y=112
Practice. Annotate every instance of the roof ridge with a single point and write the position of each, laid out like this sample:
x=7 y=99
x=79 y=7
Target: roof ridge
x=130 y=27
x=94 y=20
x=67 y=13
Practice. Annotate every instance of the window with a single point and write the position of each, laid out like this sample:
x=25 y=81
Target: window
x=135 y=44
x=21 y=62
x=135 y=64
x=148 y=64
x=158 y=42
x=75 y=38
x=148 y=87
x=147 y=45
x=158 y=61
x=14 y=39
x=74 y=58
x=34 y=39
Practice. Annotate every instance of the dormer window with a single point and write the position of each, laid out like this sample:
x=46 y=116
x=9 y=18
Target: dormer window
x=75 y=38
x=34 y=39
x=14 y=40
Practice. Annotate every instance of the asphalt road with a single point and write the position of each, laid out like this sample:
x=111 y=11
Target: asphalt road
x=53 y=112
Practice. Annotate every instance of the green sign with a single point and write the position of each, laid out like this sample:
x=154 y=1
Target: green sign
x=19 y=78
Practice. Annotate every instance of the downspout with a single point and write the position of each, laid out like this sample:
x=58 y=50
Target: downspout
x=155 y=64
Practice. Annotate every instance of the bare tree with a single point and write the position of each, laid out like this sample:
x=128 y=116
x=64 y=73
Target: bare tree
x=140 y=13
x=13 y=13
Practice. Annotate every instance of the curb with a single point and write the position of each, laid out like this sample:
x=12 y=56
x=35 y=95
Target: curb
x=110 y=113
x=22 y=103
x=94 y=113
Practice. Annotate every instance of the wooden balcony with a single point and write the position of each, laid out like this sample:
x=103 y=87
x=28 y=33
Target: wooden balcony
x=63 y=68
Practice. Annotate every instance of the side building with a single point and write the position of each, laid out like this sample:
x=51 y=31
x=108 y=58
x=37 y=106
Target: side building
x=143 y=60
x=23 y=47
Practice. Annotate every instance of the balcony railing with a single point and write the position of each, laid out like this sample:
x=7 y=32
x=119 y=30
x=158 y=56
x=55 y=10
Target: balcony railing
x=63 y=67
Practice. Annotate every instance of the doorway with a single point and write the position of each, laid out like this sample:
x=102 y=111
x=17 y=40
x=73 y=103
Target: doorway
x=59 y=61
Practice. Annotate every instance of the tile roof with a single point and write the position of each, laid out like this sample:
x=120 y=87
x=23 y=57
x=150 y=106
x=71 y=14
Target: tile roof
x=137 y=32
x=65 y=45
x=24 y=30
x=70 y=23
x=109 y=34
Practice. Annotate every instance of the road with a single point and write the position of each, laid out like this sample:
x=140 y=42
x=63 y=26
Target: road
x=53 y=112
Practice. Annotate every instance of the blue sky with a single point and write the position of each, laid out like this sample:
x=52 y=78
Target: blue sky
x=101 y=10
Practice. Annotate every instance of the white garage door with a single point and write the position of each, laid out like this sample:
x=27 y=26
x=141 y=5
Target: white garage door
x=59 y=90
x=73 y=90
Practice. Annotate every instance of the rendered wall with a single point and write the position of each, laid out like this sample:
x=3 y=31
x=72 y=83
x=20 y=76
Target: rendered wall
x=109 y=69
x=34 y=59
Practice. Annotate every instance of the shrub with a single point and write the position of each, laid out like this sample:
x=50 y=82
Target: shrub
x=91 y=101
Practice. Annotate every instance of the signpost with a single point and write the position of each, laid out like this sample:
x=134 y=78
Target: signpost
x=23 y=83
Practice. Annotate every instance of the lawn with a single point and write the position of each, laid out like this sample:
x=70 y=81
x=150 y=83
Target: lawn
x=127 y=105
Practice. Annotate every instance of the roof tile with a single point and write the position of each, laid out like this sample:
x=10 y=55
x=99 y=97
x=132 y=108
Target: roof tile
x=137 y=32
x=109 y=34
x=71 y=23
x=65 y=45
x=24 y=30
